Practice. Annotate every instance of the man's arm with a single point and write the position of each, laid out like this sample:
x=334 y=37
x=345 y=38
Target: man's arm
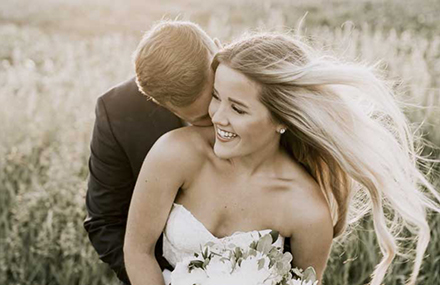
x=110 y=187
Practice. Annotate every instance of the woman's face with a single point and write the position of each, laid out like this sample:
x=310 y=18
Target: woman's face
x=242 y=123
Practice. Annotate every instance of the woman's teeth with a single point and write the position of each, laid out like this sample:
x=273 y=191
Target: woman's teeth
x=226 y=135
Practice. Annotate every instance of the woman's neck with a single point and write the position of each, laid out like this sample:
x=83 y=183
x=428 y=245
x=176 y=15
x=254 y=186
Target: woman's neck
x=261 y=161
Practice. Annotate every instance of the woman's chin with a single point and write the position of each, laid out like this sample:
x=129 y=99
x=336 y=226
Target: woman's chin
x=221 y=152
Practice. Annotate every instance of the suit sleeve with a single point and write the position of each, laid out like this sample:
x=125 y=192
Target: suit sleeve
x=110 y=187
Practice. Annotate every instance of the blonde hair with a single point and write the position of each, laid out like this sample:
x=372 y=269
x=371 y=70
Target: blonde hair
x=172 y=62
x=345 y=127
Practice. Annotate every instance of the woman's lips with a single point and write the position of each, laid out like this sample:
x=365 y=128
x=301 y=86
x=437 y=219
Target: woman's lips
x=225 y=136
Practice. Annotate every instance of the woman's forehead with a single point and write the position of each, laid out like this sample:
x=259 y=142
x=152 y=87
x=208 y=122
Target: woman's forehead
x=228 y=79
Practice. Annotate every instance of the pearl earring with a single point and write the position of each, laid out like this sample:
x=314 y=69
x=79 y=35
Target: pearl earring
x=282 y=131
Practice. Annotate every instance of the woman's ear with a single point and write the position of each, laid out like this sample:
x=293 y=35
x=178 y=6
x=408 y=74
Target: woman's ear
x=281 y=129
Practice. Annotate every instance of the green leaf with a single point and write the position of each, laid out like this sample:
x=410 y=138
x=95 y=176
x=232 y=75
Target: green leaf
x=261 y=263
x=309 y=274
x=253 y=245
x=195 y=264
x=252 y=252
x=233 y=266
x=275 y=254
x=265 y=244
x=238 y=253
x=274 y=235
x=205 y=253
x=206 y=262
x=298 y=272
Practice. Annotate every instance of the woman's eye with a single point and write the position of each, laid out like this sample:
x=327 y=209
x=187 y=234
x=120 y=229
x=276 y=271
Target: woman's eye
x=238 y=110
x=215 y=96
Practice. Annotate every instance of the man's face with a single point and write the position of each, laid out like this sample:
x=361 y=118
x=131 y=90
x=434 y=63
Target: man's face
x=197 y=112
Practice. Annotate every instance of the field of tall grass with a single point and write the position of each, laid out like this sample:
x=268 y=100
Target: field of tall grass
x=57 y=57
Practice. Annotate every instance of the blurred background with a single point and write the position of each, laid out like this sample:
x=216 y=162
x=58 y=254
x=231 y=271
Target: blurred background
x=58 y=56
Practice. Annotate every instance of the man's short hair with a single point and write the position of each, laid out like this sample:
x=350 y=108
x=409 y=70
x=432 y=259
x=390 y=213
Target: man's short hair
x=172 y=62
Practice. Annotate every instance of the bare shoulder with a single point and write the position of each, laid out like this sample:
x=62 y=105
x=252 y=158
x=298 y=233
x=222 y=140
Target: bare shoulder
x=308 y=223
x=189 y=140
x=308 y=207
x=185 y=148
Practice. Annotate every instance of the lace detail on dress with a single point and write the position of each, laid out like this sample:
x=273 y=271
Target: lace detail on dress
x=184 y=234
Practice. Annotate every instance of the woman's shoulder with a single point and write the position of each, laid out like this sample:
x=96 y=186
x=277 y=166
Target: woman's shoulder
x=304 y=202
x=307 y=220
x=179 y=154
x=187 y=146
x=190 y=138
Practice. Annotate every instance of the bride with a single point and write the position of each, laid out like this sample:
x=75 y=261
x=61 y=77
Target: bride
x=298 y=141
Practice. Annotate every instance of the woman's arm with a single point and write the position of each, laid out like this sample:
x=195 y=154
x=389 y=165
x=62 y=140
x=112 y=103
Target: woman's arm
x=163 y=173
x=312 y=232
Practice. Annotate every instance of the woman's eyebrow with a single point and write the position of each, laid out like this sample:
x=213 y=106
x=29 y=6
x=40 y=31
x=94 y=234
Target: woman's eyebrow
x=236 y=101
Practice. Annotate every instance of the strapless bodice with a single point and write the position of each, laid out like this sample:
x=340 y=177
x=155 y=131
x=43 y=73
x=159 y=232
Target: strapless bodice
x=184 y=234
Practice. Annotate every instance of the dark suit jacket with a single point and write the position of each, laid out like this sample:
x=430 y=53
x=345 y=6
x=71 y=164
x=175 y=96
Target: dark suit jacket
x=126 y=127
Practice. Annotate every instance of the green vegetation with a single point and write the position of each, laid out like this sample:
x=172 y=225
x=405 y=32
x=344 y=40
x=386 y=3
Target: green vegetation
x=57 y=57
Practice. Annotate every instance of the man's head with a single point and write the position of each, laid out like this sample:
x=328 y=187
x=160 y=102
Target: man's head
x=172 y=65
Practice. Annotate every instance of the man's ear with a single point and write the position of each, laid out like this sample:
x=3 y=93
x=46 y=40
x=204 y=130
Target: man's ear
x=218 y=43
x=155 y=101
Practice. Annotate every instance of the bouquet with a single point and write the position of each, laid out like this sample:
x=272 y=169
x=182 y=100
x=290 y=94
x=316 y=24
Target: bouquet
x=261 y=263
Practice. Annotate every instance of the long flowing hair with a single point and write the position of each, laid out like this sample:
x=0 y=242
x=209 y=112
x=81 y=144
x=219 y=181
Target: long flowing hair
x=345 y=127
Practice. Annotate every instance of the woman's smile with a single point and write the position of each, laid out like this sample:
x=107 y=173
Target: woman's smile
x=225 y=136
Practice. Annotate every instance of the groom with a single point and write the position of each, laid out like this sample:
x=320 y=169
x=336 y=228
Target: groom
x=173 y=69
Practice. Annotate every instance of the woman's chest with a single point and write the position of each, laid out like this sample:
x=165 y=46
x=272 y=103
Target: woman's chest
x=228 y=204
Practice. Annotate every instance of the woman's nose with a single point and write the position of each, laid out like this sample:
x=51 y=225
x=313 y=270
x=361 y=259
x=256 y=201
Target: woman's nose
x=219 y=116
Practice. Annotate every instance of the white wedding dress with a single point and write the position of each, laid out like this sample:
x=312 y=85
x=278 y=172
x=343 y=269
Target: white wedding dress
x=184 y=234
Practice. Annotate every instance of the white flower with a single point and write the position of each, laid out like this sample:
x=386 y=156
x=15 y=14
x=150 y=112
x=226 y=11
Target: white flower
x=249 y=271
x=218 y=268
x=226 y=279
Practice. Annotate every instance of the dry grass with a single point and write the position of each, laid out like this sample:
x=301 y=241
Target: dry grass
x=57 y=57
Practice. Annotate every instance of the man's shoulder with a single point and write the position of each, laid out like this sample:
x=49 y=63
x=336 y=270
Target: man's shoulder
x=121 y=89
x=125 y=105
x=133 y=121
x=125 y=96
